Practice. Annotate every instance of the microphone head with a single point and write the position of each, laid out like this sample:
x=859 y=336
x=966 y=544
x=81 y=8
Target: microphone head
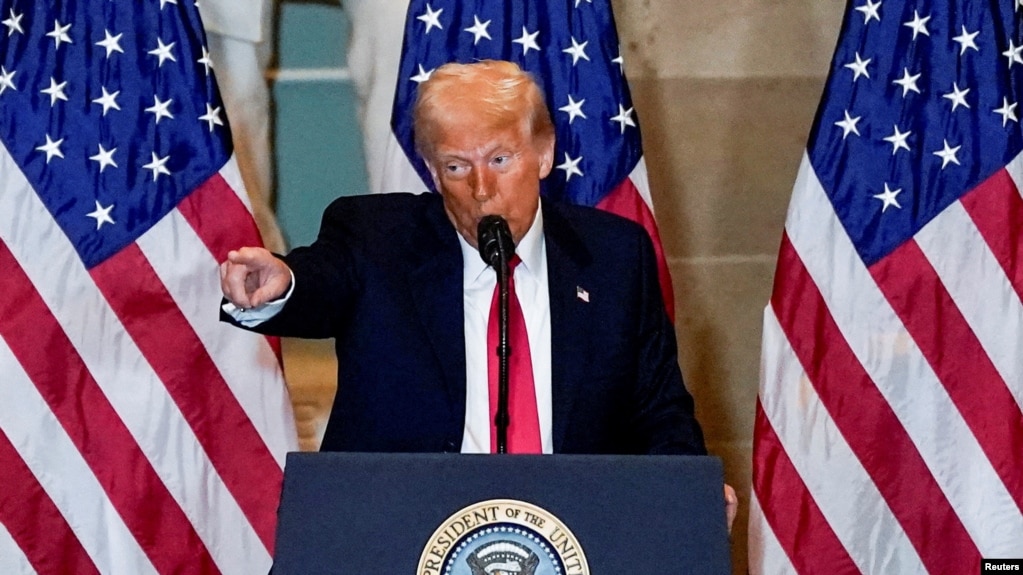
x=494 y=240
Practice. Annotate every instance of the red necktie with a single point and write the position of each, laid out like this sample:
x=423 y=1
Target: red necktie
x=524 y=429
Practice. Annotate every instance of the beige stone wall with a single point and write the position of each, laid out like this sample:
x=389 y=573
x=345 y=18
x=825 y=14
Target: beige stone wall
x=725 y=93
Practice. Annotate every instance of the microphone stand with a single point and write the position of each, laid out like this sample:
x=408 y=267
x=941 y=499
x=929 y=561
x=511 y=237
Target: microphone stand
x=502 y=418
x=497 y=247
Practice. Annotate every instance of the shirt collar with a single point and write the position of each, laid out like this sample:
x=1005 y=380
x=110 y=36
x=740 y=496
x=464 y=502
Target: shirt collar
x=529 y=250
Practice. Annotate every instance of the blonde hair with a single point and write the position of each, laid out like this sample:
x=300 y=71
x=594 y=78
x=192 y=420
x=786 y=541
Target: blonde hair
x=509 y=91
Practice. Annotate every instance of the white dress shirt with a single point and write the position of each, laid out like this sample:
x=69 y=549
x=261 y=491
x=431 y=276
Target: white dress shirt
x=478 y=282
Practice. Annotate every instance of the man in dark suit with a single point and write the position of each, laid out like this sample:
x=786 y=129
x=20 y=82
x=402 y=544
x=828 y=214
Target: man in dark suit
x=394 y=278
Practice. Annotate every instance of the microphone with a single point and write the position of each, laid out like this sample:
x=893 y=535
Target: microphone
x=495 y=241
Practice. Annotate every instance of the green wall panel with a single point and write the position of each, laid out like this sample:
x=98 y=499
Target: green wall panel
x=318 y=153
x=311 y=35
x=317 y=139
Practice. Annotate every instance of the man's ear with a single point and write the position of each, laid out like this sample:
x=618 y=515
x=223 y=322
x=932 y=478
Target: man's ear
x=546 y=157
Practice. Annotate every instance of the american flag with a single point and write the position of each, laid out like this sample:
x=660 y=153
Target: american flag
x=137 y=433
x=571 y=48
x=889 y=429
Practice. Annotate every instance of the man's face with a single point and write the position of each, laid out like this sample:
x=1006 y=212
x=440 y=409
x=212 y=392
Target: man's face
x=482 y=168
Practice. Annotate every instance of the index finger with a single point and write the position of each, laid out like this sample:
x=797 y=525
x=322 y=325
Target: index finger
x=233 y=283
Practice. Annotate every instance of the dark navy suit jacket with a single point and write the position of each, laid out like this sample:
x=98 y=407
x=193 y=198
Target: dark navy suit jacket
x=384 y=278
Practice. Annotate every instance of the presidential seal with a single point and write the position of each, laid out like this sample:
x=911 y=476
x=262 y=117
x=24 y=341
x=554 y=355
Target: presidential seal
x=503 y=537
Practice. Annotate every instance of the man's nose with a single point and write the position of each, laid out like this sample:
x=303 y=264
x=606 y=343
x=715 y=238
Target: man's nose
x=482 y=187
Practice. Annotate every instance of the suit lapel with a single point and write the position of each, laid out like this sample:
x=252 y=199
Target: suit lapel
x=567 y=257
x=435 y=287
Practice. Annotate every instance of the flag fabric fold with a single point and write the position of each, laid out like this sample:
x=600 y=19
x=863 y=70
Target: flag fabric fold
x=571 y=48
x=137 y=433
x=889 y=425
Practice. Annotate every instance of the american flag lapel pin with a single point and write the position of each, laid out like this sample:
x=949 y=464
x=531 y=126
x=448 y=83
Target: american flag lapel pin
x=582 y=294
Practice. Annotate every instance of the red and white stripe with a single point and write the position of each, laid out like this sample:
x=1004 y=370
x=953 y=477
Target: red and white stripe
x=136 y=431
x=889 y=426
x=12 y=560
x=631 y=199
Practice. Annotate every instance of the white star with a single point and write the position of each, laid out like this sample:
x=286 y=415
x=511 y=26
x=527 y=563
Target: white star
x=206 y=62
x=848 y=125
x=948 y=154
x=158 y=165
x=870 y=11
x=165 y=2
x=574 y=109
x=577 y=51
x=160 y=109
x=619 y=60
x=105 y=158
x=571 y=167
x=59 y=34
x=624 y=118
x=957 y=96
x=479 y=30
x=422 y=76
x=7 y=79
x=528 y=41
x=51 y=148
x=13 y=23
x=859 y=67
x=1007 y=111
x=578 y=1
x=212 y=116
x=898 y=140
x=918 y=24
x=111 y=43
x=55 y=91
x=888 y=198
x=101 y=215
x=1014 y=54
x=907 y=82
x=966 y=41
x=107 y=100
x=431 y=18
x=163 y=52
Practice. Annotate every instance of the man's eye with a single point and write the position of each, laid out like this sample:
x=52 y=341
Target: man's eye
x=501 y=160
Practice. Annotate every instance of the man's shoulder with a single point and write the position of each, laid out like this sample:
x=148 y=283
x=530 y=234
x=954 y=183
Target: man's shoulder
x=594 y=238
x=378 y=202
x=590 y=222
x=380 y=210
x=379 y=223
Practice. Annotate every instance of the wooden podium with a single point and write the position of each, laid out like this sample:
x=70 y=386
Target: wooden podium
x=451 y=514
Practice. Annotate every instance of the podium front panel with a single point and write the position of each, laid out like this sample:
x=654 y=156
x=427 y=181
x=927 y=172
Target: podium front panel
x=367 y=514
